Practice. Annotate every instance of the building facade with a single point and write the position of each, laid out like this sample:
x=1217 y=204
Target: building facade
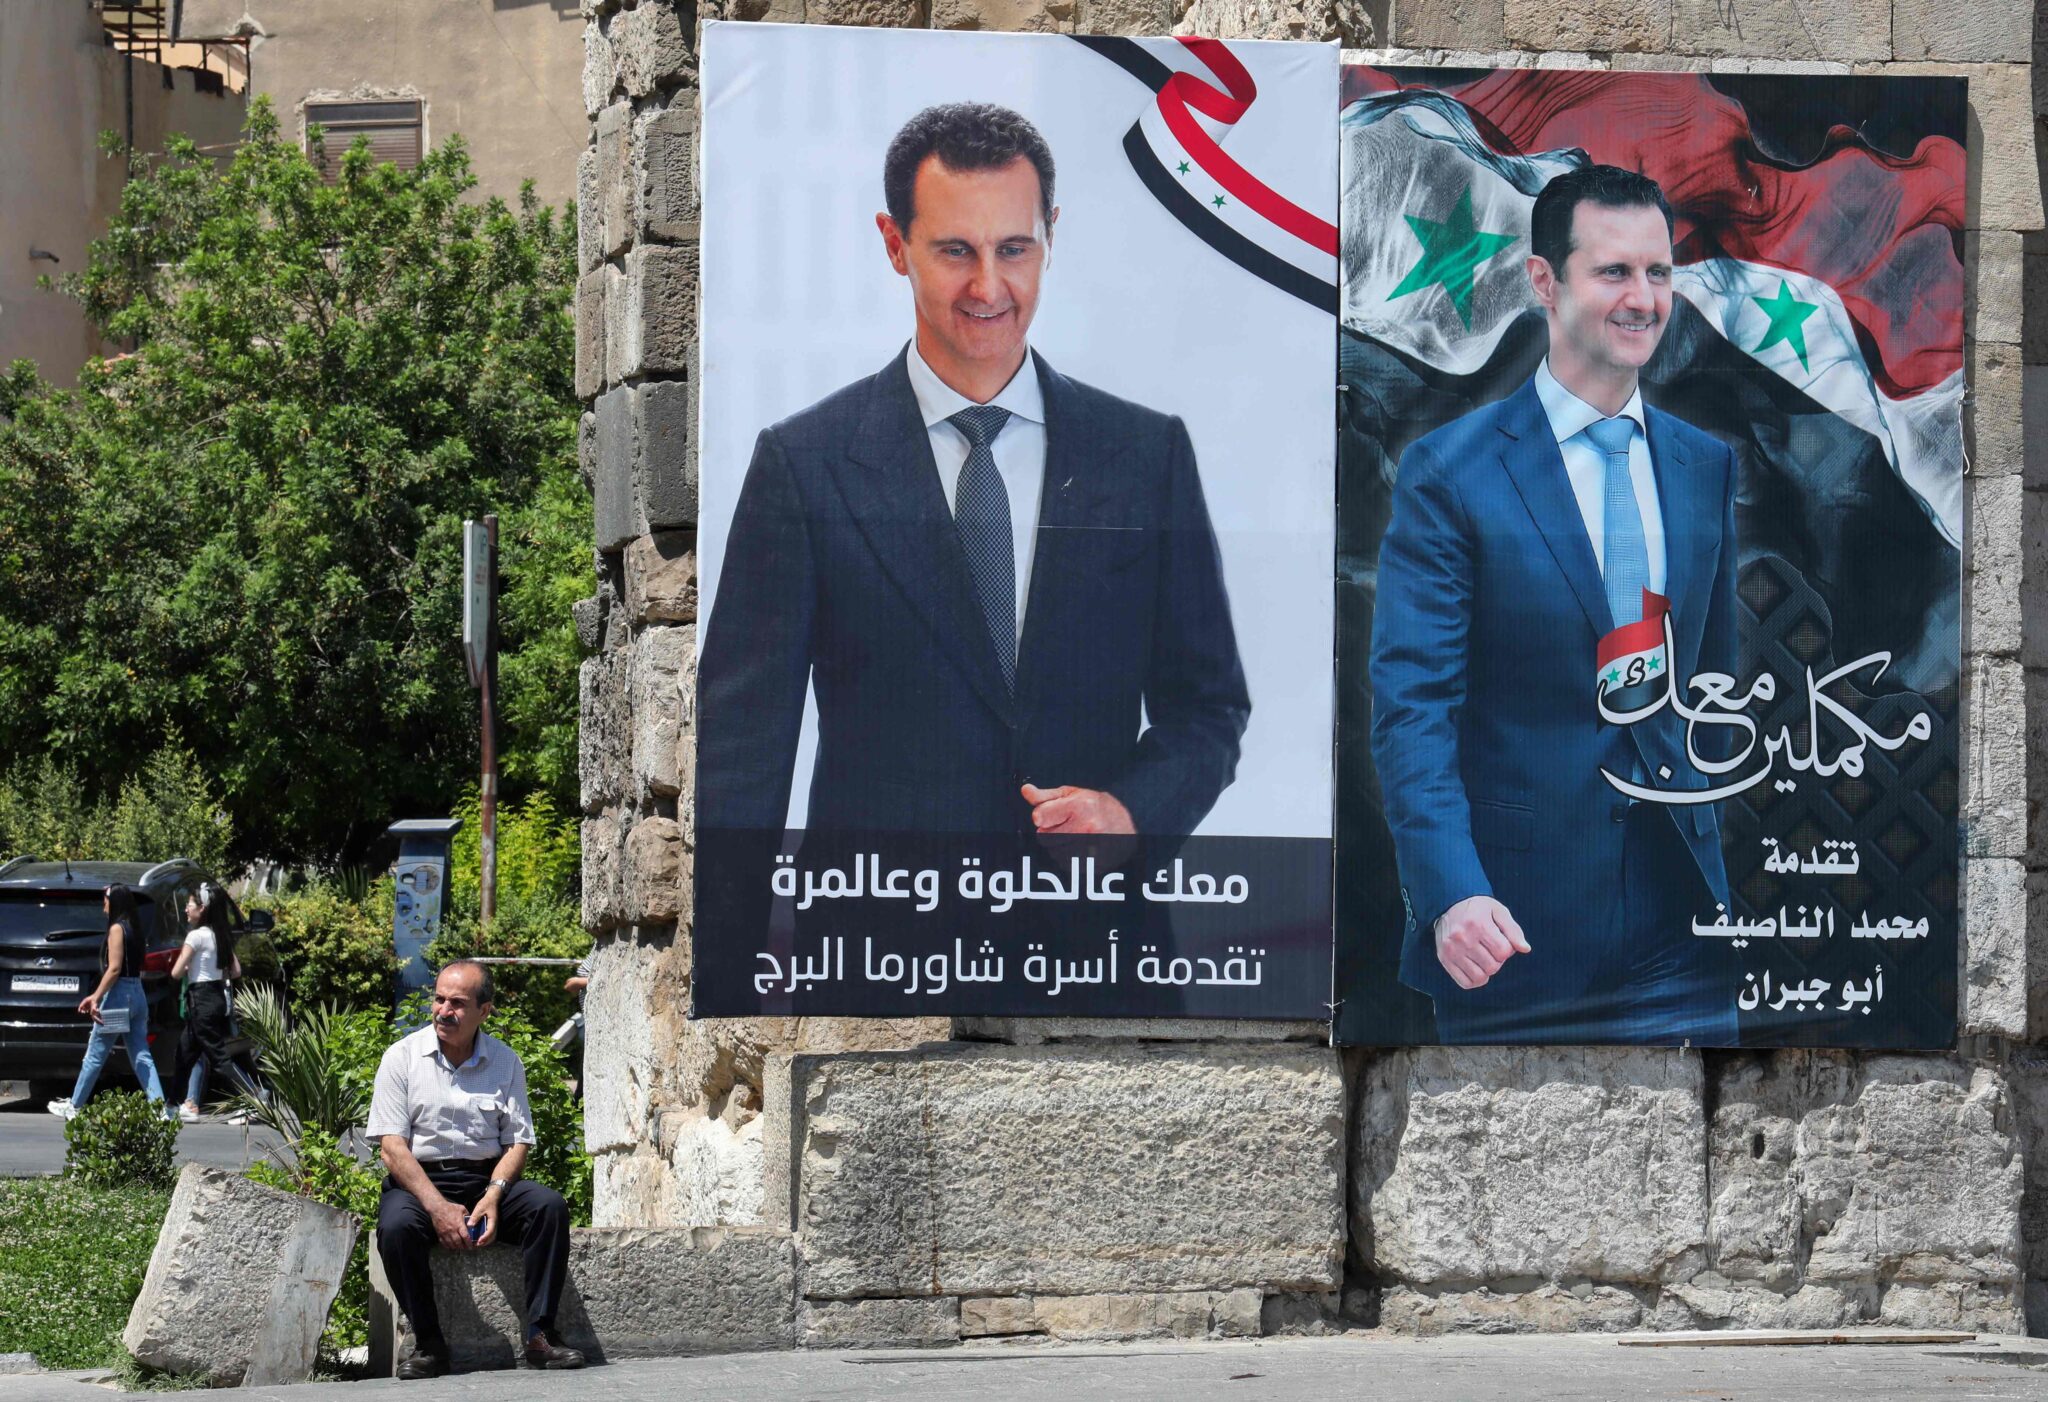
x=938 y=1179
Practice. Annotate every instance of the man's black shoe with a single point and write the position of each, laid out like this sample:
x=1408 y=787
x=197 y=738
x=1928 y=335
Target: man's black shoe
x=423 y=1365
x=544 y=1352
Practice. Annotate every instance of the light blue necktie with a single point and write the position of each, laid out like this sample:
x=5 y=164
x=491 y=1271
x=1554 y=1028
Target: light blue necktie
x=1625 y=556
x=981 y=513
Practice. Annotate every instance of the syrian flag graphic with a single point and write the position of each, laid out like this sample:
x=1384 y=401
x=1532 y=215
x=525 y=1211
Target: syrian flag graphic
x=1631 y=665
x=1817 y=321
x=1202 y=91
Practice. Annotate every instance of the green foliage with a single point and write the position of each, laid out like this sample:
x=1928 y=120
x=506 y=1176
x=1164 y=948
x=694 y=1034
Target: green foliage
x=168 y=809
x=540 y=850
x=330 y=948
x=529 y=925
x=248 y=531
x=119 y=1140
x=357 y=1040
x=326 y=1172
x=300 y=1058
x=558 y=1158
x=72 y=1259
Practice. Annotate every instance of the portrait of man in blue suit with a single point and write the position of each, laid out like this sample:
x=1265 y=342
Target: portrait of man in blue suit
x=1001 y=584
x=1543 y=903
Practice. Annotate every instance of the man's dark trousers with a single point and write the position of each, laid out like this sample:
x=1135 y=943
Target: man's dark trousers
x=531 y=1216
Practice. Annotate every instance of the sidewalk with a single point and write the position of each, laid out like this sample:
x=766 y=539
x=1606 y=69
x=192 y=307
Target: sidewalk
x=1366 y=1366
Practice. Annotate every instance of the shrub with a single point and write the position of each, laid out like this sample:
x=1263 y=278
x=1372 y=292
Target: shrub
x=334 y=949
x=326 y=1172
x=301 y=1059
x=120 y=1139
x=529 y=925
x=170 y=809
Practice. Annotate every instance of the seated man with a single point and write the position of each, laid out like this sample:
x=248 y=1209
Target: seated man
x=450 y=1109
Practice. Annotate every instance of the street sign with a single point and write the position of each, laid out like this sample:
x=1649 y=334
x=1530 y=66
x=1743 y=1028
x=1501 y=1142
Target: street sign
x=476 y=598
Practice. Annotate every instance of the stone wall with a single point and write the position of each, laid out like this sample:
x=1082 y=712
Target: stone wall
x=1061 y=1178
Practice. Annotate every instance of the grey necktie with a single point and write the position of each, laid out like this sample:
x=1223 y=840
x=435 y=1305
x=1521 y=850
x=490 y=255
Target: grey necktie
x=981 y=513
x=1625 y=556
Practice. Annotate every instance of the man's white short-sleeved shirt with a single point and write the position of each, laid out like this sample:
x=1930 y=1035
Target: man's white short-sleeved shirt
x=473 y=1111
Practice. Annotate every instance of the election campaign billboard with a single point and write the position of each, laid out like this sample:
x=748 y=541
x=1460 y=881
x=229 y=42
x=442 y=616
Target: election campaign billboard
x=1650 y=558
x=1017 y=525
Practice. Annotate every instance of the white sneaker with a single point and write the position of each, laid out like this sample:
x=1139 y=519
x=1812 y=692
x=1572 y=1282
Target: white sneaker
x=189 y=1113
x=62 y=1109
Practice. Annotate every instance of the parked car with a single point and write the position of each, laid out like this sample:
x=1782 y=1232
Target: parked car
x=51 y=938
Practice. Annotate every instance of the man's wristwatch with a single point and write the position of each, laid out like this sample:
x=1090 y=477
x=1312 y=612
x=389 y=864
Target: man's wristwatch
x=501 y=1184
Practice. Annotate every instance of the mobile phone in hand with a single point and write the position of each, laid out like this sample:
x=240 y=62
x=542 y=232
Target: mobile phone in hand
x=476 y=1230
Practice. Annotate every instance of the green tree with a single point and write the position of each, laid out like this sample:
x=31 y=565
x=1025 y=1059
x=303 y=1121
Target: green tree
x=247 y=532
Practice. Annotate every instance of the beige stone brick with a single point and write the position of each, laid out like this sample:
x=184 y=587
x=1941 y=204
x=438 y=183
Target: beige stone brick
x=1009 y=16
x=615 y=176
x=1993 y=566
x=1994 y=268
x=1843 y=30
x=2005 y=182
x=1975 y=31
x=1993 y=421
x=1994 y=992
x=1346 y=21
x=1995 y=758
x=1450 y=24
x=1589 y=25
x=590 y=357
x=872 y=14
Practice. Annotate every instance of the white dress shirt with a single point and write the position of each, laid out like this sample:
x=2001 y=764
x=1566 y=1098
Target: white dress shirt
x=1586 y=465
x=473 y=1111
x=1019 y=451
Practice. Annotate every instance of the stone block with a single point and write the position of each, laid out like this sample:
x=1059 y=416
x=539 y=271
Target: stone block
x=715 y=1165
x=2034 y=407
x=665 y=473
x=586 y=449
x=879 y=1323
x=869 y=14
x=619 y=1048
x=590 y=325
x=651 y=48
x=1291 y=1314
x=240 y=1282
x=589 y=217
x=651 y=312
x=661 y=578
x=1589 y=25
x=1011 y=16
x=664 y=705
x=588 y=616
x=929 y=1173
x=1862 y=1173
x=1450 y=24
x=1995 y=758
x=1476 y=1164
x=604 y=892
x=1994 y=991
x=1987 y=31
x=615 y=187
x=1845 y=31
x=600 y=69
x=2029 y=1078
x=613 y=510
x=669 y=202
x=1993 y=568
x=1994 y=422
x=1036 y=1031
x=1994 y=270
x=1345 y=21
x=1548 y=1308
x=654 y=872
x=1194 y=1314
x=2004 y=180
x=632 y=1294
x=604 y=736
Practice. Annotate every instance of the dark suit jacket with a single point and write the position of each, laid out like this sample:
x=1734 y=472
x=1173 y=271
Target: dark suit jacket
x=1485 y=732
x=844 y=571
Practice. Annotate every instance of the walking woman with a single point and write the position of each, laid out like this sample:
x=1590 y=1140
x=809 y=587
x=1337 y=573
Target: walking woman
x=118 y=1007
x=206 y=962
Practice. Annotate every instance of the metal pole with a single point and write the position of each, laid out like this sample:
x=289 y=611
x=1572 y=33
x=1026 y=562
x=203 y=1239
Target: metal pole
x=488 y=826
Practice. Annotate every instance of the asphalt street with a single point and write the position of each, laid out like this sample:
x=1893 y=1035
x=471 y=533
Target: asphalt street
x=32 y=1139
x=1385 y=1369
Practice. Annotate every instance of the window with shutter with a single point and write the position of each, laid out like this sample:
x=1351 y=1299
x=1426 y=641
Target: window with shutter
x=393 y=129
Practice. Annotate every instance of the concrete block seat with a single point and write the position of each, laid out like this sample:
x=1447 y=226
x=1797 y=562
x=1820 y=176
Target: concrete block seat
x=633 y=1293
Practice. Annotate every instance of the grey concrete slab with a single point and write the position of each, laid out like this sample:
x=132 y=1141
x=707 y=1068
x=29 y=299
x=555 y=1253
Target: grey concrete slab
x=1384 y=1368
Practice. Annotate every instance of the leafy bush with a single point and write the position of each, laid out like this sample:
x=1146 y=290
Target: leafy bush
x=325 y=1172
x=540 y=851
x=333 y=949
x=72 y=1259
x=169 y=809
x=532 y=926
x=120 y=1139
x=301 y=1060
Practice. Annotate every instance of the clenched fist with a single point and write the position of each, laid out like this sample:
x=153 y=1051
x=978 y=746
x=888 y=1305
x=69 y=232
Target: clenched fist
x=1475 y=937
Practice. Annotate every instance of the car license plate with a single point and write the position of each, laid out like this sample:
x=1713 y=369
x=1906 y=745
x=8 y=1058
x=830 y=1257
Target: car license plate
x=44 y=983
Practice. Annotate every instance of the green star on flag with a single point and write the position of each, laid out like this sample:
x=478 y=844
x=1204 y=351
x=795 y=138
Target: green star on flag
x=1183 y=167
x=1452 y=251
x=1614 y=677
x=1788 y=318
x=1218 y=202
x=1655 y=663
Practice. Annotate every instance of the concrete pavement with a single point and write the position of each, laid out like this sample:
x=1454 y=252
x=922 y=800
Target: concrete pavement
x=1365 y=1365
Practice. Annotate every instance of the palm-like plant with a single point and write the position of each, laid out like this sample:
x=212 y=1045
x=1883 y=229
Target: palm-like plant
x=299 y=1061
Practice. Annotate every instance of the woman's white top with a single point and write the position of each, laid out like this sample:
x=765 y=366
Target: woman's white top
x=204 y=966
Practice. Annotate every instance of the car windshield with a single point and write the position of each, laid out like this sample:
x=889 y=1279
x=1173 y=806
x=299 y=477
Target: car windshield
x=32 y=917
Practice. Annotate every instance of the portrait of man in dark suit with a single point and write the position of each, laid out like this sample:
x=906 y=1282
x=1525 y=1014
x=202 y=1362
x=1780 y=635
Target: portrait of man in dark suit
x=1001 y=584
x=1545 y=903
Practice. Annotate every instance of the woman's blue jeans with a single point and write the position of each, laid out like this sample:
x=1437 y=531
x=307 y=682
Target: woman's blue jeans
x=126 y=993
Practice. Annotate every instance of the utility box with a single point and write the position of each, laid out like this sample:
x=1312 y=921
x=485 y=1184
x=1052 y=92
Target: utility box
x=419 y=884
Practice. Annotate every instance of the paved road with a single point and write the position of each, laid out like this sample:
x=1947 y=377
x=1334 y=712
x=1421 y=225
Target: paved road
x=32 y=1140
x=1273 y=1370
